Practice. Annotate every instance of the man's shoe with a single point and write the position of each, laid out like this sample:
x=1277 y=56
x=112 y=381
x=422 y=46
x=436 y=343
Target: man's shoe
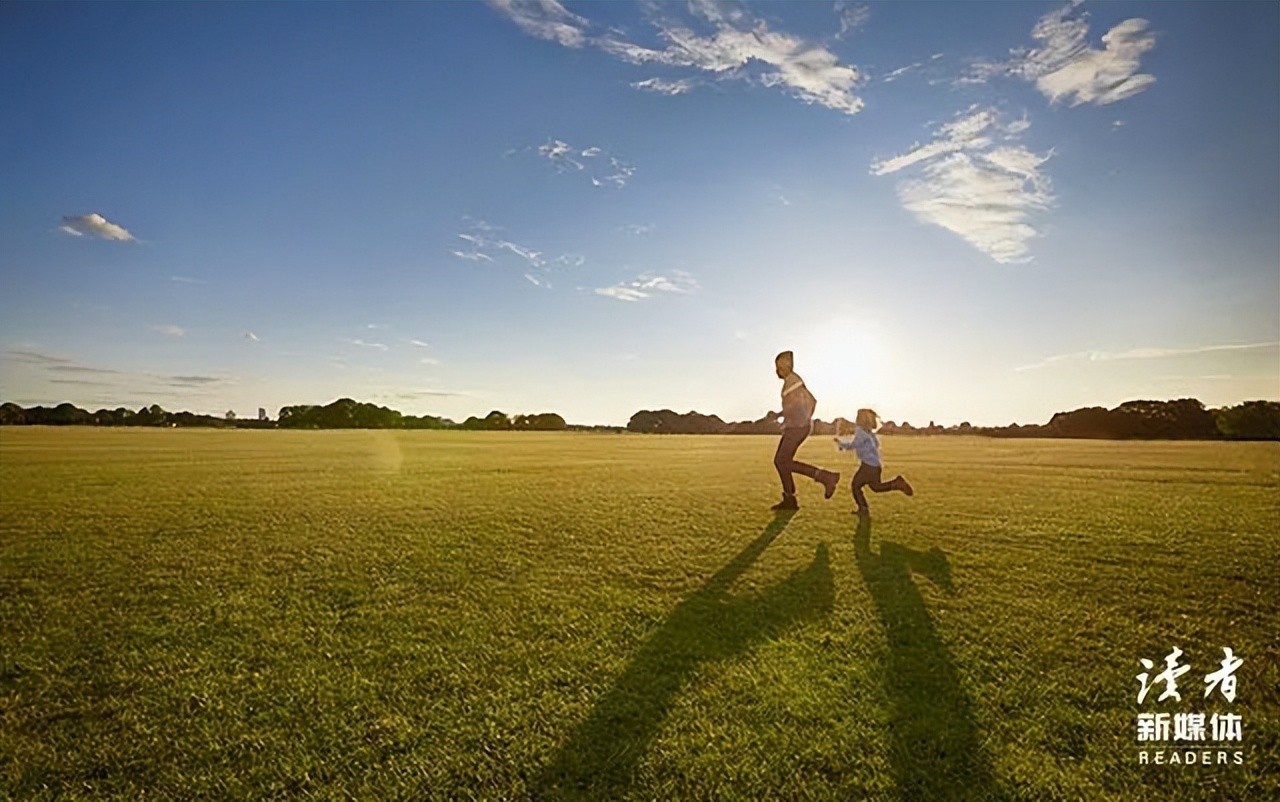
x=787 y=503
x=829 y=479
x=905 y=486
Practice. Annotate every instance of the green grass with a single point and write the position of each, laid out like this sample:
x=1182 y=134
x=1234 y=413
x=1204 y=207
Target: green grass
x=441 y=615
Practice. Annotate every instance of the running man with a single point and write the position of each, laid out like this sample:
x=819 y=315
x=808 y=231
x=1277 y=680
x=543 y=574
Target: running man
x=797 y=423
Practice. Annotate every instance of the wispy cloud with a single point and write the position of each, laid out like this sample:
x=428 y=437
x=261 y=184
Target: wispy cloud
x=729 y=43
x=33 y=357
x=84 y=369
x=562 y=155
x=620 y=174
x=190 y=381
x=409 y=395
x=419 y=344
x=488 y=245
x=974 y=180
x=534 y=258
x=1142 y=353
x=248 y=335
x=648 y=286
x=852 y=16
x=126 y=387
x=170 y=330
x=663 y=87
x=590 y=161
x=894 y=75
x=1066 y=68
x=545 y=19
x=637 y=229
x=187 y=280
x=375 y=346
x=83 y=382
x=95 y=225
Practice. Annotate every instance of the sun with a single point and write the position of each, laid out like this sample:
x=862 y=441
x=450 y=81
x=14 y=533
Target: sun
x=845 y=362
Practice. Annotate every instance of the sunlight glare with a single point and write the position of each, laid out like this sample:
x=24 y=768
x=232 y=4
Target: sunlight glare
x=845 y=361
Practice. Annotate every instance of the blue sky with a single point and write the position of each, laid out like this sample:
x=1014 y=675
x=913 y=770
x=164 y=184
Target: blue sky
x=984 y=212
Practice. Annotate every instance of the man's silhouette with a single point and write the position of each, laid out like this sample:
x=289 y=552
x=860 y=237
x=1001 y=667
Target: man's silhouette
x=797 y=422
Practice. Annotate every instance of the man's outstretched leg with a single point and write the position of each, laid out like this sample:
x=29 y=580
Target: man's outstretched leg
x=784 y=460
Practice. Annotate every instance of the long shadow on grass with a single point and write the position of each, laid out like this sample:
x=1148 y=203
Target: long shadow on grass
x=933 y=739
x=599 y=759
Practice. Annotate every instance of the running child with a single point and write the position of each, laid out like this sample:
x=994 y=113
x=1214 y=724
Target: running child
x=867 y=446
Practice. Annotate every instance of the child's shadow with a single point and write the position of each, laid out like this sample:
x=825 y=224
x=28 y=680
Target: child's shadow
x=933 y=740
x=600 y=757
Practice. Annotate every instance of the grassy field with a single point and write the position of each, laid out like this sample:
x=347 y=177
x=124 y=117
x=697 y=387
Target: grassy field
x=202 y=614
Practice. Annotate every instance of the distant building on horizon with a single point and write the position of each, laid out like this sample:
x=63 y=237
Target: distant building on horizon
x=262 y=413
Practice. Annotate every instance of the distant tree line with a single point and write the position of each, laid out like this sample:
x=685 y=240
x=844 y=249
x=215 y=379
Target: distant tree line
x=1183 y=419
x=71 y=415
x=341 y=414
x=665 y=421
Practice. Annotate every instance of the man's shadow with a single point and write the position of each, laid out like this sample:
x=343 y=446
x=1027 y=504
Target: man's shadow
x=600 y=757
x=933 y=740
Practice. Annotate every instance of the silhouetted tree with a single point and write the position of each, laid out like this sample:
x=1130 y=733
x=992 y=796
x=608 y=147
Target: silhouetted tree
x=664 y=421
x=1252 y=420
x=495 y=421
x=543 y=422
x=12 y=415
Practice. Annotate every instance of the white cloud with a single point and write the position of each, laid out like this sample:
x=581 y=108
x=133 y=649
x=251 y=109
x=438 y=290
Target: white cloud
x=185 y=279
x=1142 y=353
x=647 y=285
x=531 y=256
x=1066 y=68
x=419 y=343
x=971 y=181
x=95 y=225
x=678 y=87
x=565 y=157
x=170 y=330
x=901 y=71
x=490 y=247
x=622 y=173
x=375 y=346
x=248 y=335
x=622 y=293
x=545 y=19
x=735 y=44
x=852 y=16
x=558 y=153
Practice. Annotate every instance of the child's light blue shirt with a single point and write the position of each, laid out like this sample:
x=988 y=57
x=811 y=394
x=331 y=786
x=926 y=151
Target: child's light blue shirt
x=867 y=446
